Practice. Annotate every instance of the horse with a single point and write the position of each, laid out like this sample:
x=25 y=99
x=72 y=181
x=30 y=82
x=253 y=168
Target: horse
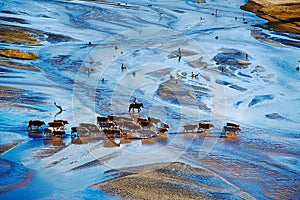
x=136 y=105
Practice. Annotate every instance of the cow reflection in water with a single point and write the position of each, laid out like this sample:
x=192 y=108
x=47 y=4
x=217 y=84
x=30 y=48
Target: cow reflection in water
x=55 y=141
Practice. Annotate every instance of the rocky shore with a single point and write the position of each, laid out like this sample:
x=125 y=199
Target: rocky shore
x=282 y=15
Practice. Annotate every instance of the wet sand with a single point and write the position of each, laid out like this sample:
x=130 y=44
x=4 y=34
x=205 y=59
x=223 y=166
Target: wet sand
x=6 y=147
x=168 y=181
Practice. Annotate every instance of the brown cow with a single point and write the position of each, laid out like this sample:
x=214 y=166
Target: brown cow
x=141 y=119
x=63 y=121
x=155 y=120
x=91 y=127
x=163 y=125
x=78 y=131
x=163 y=130
x=205 y=126
x=189 y=127
x=146 y=124
x=101 y=119
x=59 y=133
x=112 y=132
x=231 y=129
x=107 y=124
x=232 y=124
x=37 y=123
x=57 y=124
x=131 y=126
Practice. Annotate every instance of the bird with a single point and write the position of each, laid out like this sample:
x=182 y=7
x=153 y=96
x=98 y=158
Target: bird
x=59 y=107
x=298 y=68
x=195 y=75
x=179 y=54
x=123 y=67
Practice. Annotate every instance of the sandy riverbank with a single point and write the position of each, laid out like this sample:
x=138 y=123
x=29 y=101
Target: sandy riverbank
x=6 y=147
x=168 y=181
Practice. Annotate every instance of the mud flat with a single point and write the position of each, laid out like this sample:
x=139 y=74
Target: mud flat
x=169 y=181
x=6 y=147
x=176 y=91
x=283 y=15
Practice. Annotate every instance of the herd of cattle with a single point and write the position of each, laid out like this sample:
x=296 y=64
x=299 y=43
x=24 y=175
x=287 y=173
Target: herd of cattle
x=125 y=127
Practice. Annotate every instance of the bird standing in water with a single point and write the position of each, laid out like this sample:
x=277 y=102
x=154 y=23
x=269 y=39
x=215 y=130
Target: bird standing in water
x=123 y=67
x=179 y=54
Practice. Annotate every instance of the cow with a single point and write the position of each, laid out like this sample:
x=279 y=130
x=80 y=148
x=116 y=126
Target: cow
x=163 y=130
x=91 y=127
x=112 y=132
x=232 y=124
x=131 y=126
x=36 y=123
x=189 y=127
x=59 y=133
x=63 y=121
x=204 y=126
x=101 y=119
x=56 y=124
x=141 y=119
x=48 y=131
x=163 y=125
x=231 y=129
x=77 y=131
